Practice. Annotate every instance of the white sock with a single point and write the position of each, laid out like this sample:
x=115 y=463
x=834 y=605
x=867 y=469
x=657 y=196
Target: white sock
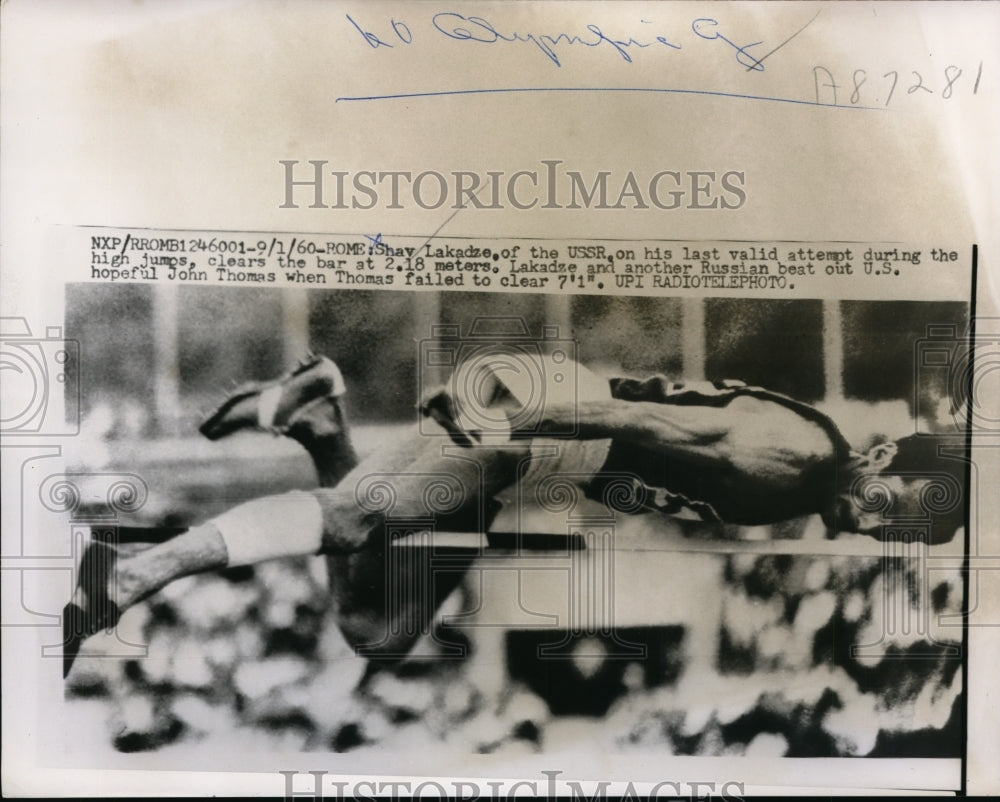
x=267 y=406
x=288 y=525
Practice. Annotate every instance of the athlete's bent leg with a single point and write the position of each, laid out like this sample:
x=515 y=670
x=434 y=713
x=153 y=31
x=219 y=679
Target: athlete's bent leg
x=385 y=601
x=338 y=521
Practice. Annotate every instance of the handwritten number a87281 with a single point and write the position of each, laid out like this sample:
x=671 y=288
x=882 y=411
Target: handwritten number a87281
x=825 y=85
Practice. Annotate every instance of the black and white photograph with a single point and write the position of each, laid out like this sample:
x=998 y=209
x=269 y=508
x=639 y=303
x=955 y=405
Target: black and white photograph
x=518 y=525
x=499 y=399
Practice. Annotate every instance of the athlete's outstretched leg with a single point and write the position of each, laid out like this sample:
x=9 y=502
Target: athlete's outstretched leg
x=415 y=476
x=384 y=600
x=108 y=584
x=340 y=520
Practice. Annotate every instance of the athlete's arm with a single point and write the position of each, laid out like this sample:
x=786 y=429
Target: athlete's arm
x=751 y=436
x=668 y=428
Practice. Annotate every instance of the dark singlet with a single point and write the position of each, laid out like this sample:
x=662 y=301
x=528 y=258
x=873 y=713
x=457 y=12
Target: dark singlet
x=710 y=492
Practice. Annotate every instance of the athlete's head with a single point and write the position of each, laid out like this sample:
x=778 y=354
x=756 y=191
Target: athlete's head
x=909 y=480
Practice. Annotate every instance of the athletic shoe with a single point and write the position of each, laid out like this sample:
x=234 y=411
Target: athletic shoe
x=99 y=611
x=275 y=405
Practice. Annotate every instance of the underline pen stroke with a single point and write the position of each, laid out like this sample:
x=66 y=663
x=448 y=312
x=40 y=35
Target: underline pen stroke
x=656 y=90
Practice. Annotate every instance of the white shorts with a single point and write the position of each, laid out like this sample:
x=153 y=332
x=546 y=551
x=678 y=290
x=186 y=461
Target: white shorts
x=565 y=382
x=580 y=459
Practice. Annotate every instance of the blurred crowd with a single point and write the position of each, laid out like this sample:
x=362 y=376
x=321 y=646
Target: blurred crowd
x=805 y=667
